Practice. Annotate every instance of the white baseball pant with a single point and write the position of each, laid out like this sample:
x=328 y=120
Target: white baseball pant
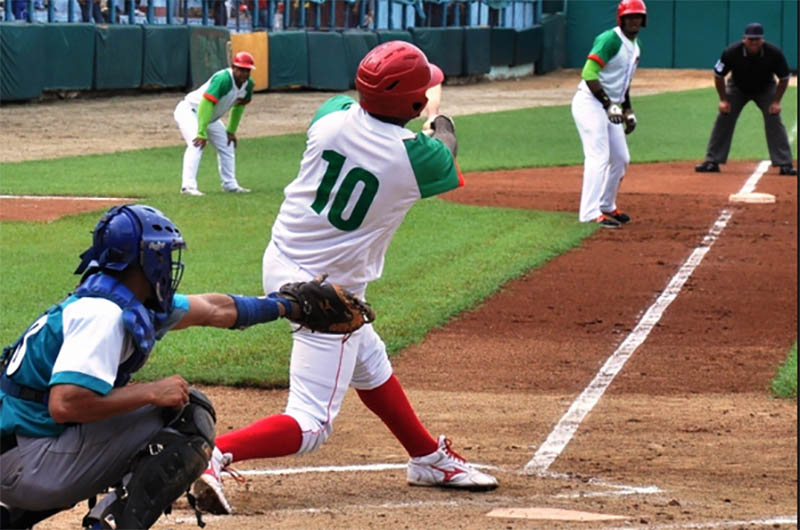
x=605 y=153
x=323 y=366
x=186 y=117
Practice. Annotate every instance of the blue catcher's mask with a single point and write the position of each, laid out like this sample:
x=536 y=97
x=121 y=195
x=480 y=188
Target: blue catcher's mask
x=136 y=233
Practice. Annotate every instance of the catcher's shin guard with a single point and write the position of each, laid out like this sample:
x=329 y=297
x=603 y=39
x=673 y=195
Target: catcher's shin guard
x=166 y=468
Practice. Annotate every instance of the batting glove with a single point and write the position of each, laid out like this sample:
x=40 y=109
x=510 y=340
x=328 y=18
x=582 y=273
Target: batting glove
x=630 y=123
x=615 y=113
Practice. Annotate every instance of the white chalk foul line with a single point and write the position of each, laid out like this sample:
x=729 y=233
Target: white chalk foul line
x=566 y=427
x=770 y=521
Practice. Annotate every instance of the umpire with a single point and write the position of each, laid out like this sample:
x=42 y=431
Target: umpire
x=753 y=65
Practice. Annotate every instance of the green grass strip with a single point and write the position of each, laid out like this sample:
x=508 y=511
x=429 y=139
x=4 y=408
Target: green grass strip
x=784 y=385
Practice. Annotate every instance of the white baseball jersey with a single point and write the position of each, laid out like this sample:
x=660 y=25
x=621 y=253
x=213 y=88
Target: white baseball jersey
x=358 y=178
x=619 y=57
x=221 y=90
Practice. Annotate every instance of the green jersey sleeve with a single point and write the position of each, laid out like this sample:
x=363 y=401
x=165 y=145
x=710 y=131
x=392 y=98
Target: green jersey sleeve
x=433 y=164
x=220 y=85
x=334 y=104
x=605 y=47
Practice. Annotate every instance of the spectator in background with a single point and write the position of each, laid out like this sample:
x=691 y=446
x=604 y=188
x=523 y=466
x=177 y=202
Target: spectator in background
x=91 y=9
x=220 y=13
x=753 y=65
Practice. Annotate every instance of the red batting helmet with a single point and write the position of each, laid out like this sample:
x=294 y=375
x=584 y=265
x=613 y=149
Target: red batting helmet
x=631 y=7
x=392 y=79
x=244 y=60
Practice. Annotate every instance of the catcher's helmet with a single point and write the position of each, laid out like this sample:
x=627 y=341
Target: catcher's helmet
x=244 y=60
x=631 y=7
x=135 y=233
x=392 y=79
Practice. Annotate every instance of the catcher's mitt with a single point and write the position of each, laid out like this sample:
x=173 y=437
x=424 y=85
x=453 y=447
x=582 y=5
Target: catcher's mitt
x=326 y=307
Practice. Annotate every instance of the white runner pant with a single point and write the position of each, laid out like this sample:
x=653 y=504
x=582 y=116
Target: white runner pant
x=323 y=366
x=605 y=156
x=186 y=117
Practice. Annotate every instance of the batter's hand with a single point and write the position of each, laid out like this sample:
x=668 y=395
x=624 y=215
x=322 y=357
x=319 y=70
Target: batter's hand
x=232 y=138
x=199 y=142
x=615 y=113
x=630 y=122
x=171 y=391
x=775 y=107
x=724 y=107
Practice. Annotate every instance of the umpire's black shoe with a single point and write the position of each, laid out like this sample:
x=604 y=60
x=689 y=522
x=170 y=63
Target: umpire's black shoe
x=707 y=167
x=788 y=170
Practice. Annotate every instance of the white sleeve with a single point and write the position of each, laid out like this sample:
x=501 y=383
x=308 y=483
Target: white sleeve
x=94 y=337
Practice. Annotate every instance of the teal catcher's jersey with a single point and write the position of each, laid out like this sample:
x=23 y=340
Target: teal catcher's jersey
x=80 y=341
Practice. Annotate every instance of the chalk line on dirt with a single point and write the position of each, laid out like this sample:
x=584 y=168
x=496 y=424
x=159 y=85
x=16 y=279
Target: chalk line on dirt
x=566 y=427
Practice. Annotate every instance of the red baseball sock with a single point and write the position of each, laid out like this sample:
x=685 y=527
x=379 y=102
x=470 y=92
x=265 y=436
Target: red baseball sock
x=277 y=435
x=390 y=404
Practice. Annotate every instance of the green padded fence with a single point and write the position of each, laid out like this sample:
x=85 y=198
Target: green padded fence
x=789 y=34
x=586 y=20
x=656 y=39
x=69 y=56
x=385 y=35
x=553 y=43
x=118 y=57
x=21 y=48
x=444 y=47
x=356 y=45
x=528 y=46
x=699 y=44
x=327 y=64
x=288 y=59
x=503 y=42
x=208 y=52
x=166 y=56
x=477 y=51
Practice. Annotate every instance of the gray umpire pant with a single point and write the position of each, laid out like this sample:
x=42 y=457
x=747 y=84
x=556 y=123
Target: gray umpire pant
x=48 y=473
x=719 y=145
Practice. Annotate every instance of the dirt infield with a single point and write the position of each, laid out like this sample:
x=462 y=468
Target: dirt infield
x=685 y=436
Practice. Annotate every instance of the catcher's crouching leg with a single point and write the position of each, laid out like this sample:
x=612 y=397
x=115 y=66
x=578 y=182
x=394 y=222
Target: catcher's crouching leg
x=164 y=470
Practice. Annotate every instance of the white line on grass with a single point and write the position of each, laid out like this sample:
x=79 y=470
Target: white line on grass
x=566 y=427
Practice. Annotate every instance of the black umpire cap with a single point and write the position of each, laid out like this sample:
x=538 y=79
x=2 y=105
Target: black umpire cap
x=754 y=30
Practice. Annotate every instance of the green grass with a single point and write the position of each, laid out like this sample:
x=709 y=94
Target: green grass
x=445 y=258
x=785 y=383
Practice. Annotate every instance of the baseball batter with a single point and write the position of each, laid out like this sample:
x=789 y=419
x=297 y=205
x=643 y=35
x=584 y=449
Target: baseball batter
x=71 y=425
x=360 y=174
x=602 y=111
x=199 y=117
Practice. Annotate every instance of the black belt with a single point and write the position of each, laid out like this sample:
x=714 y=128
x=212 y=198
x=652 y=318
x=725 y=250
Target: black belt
x=7 y=443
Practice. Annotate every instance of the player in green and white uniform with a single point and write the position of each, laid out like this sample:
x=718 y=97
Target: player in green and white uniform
x=600 y=107
x=361 y=173
x=199 y=117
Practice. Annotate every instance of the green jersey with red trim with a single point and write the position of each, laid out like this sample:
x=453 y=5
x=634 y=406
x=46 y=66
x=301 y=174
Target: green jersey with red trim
x=221 y=90
x=618 y=56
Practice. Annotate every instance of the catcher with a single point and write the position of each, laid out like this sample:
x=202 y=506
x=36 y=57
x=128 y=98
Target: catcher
x=72 y=427
x=361 y=172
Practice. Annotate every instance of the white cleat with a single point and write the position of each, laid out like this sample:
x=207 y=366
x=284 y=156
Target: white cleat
x=208 y=488
x=192 y=191
x=446 y=469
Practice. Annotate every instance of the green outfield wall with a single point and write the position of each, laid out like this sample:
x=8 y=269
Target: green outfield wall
x=684 y=33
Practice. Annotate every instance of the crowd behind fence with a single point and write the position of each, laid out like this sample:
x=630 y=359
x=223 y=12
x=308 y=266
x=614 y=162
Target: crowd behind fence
x=278 y=15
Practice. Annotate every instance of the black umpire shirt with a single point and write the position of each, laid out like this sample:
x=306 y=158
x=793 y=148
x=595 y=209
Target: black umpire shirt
x=752 y=73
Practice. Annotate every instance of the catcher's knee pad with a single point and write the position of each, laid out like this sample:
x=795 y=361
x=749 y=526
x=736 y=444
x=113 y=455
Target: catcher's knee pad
x=167 y=468
x=315 y=433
